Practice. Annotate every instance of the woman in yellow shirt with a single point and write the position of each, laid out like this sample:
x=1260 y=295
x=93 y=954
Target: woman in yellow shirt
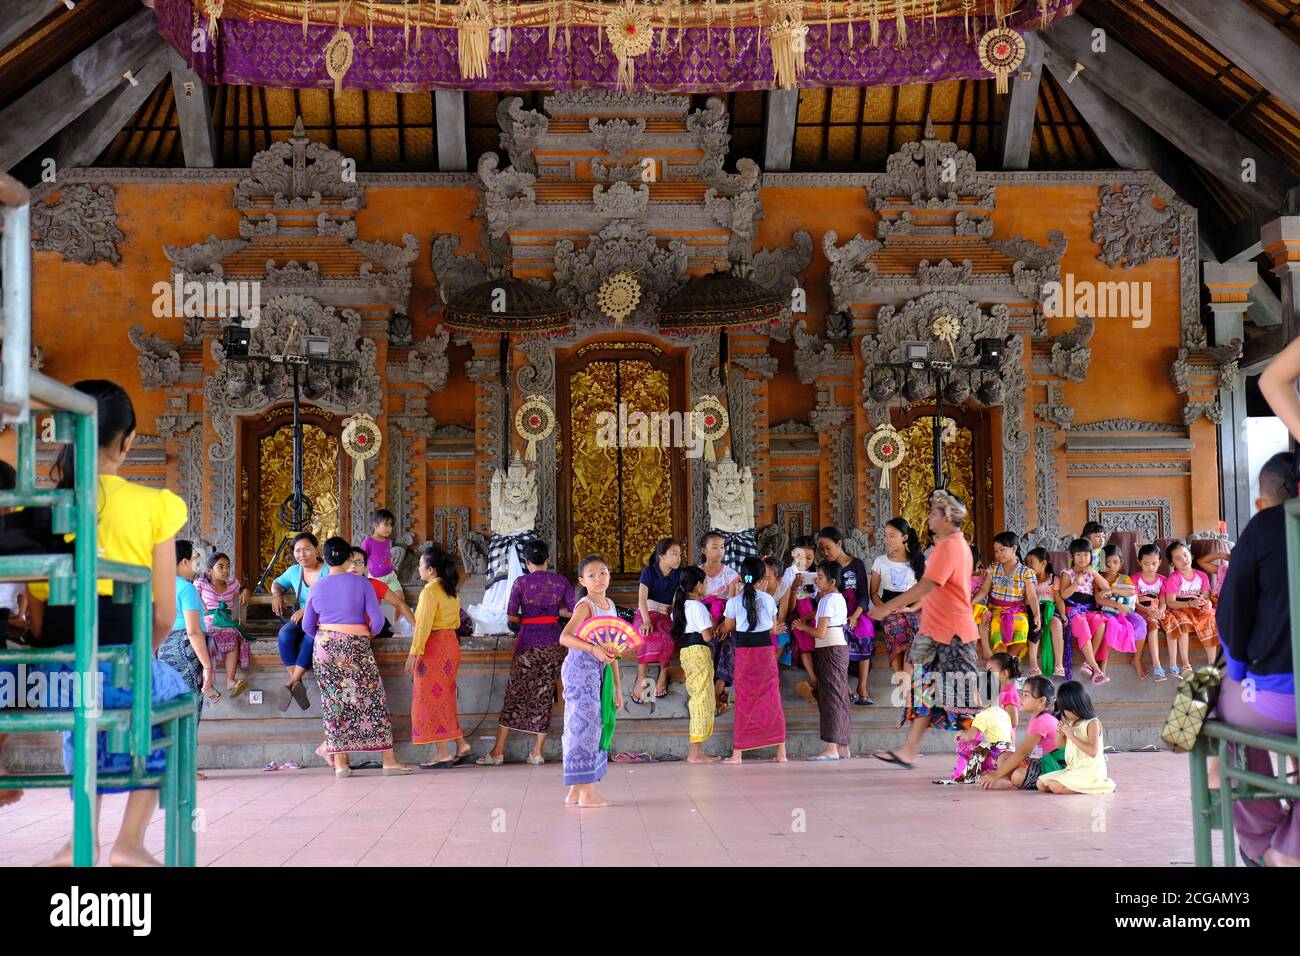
x=434 y=661
x=136 y=525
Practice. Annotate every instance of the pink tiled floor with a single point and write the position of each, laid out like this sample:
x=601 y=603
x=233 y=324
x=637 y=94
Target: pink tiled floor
x=860 y=813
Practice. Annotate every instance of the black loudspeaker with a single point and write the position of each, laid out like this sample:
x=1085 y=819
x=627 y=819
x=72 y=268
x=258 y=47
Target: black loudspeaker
x=236 y=339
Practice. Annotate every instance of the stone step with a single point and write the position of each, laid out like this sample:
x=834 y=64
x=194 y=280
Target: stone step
x=238 y=733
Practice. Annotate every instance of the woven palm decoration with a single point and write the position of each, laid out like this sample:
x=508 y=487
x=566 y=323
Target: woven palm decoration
x=361 y=441
x=886 y=448
x=535 y=421
x=713 y=423
x=338 y=58
x=789 y=40
x=630 y=35
x=619 y=295
x=473 y=21
x=1002 y=50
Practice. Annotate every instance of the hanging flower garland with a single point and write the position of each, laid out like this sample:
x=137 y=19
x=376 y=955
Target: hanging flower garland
x=361 y=441
x=535 y=421
x=886 y=448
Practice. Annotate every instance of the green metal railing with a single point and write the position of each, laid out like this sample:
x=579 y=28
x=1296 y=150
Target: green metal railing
x=73 y=580
x=1212 y=809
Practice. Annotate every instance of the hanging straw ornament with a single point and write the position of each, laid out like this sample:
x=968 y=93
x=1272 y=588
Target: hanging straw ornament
x=213 y=8
x=946 y=328
x=370 y=23
x=966 y=7
x=848 y=11
x=886 y=448
x=406 y=26
x=789 y=36
x=731 y=29
x=473 y=28
x=306 y=7
x=338 y=58
x=535 y=421
x=826 y=11
x=713 y=423
x=709 y=12
x=361 y=441
x=1001 y=52
x=900 y=23
x=550 y=28
x=419 y=23
x=873 y=21
x=1046 y=15
x=630 y=36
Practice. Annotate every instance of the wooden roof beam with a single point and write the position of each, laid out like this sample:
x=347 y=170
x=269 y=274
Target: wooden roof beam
x=64 y=96
x=83 y=140
x=778 y=130
x=19 y=16
x=1162 y=105
x=194 y=113
x=1022 y=107
x=1252 y=43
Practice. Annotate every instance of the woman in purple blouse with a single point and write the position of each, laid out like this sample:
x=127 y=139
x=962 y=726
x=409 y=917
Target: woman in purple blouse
x=859 y=632
x=341 y=616
x=539 y=603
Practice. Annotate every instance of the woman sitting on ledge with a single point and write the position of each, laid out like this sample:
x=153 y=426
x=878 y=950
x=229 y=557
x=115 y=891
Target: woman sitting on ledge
x=295 y=643
x=339 y=619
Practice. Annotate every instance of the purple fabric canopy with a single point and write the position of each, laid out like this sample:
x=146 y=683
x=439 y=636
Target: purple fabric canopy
x=276 y=55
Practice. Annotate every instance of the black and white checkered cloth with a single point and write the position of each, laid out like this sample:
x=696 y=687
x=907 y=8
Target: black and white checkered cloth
x=499 y=554
x=737 y=546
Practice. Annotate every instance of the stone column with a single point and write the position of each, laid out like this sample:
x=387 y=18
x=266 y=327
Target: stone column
x=1229 y=285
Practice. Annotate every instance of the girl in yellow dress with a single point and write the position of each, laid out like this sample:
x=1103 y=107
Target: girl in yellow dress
x=1080 y=733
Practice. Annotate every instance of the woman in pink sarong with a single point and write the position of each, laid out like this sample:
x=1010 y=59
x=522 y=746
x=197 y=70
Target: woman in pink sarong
x=658 y=584
x=750 y=616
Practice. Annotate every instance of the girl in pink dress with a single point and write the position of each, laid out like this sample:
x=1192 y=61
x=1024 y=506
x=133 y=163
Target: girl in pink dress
x=1079 y=583
x=218 y=586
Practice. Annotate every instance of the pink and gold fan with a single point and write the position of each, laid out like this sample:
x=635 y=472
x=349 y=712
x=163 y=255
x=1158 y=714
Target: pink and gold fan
x=613 y=634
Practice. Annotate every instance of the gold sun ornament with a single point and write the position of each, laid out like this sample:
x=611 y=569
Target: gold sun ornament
x=630 y=36
x=712 y=423
x=946 y=328
x=619 y=296
x=1001 y=51
x=361 y=441
x=535 y=421
x=886 y=448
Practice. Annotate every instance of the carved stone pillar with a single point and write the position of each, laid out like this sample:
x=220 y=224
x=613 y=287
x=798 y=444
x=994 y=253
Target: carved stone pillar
x=1281 y=240
x=752 y=368
x=1229 y=285
x=484 y=370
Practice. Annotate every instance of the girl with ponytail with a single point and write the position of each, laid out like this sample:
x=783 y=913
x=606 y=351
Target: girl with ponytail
x=1010 y=599
x=692 y=630
x=751 y=614
x=893 y=573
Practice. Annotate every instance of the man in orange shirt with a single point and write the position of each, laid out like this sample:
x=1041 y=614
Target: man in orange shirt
x=946 y=688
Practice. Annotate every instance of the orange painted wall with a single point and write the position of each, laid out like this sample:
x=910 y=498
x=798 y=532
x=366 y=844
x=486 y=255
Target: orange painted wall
x=81 y=313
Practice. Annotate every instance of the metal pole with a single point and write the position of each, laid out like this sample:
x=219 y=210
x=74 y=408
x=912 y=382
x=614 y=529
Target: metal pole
x=16 y=264
x=297 y=453
x=86 y=616
x=937 y=429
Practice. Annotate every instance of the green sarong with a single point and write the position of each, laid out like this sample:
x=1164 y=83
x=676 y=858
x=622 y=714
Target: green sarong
x=1046 y=658
x=1052 y=762
x=608 y=712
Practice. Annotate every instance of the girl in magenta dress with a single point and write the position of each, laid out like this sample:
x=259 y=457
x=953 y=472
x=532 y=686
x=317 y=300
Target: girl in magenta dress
x=655 y=591
x=1079 y=583
x=751 y=615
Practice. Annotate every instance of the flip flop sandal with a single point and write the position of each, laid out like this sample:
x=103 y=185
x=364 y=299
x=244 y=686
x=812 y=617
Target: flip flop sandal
x=1100 y=678
x=667 y=758
x=487 y=760
x=660 y=694
x=271 y=766
x=821 y=757
x=888 y=756
x=1087 y=669
x=437 y=765
x=534 y=761
x=299 y=693
x=283 y=698
x=398 y=771
x=462 y=759
x=239 y=688
x=289 y=765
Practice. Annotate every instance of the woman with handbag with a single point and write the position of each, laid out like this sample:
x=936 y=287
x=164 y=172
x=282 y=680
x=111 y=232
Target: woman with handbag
x=1258 y=688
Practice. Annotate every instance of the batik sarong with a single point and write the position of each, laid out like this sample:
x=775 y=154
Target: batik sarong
x=530 y=691
x=352 y=701
x=697 y=662
x=584 y=761
x=659 y=646
x=831 y=665
x=433 y=690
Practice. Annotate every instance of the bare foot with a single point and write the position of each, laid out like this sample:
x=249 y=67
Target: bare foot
x=131 y=856
x=64 y=857
x=733 y=759
x=704 y=759
x=780 y=756
x=571 y=798
x=327 y=757
x=8 y=797
x=595 y=800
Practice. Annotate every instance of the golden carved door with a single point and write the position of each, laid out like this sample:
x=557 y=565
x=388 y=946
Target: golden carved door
x=268 y=481
x=622 y=490
x=967 y=466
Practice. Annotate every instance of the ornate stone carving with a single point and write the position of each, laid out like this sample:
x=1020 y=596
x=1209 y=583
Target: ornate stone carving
x=606 y=172
x=455 y=273
x=850 y=274
x=780 y=269
x=1126 y=425
x=617 y=137
x=473 y=552
x=300 y=174
x=838 y=326
x=1194 y=410
x=1049 y=523
x=731 y=497
x=506 y=194
x=815 y=358
x=620 y=200
x=826 y=417
x=774 y=540
x=795 y=519
x=762 y=364
x=514 y=498
x=450 y=522
x=1035 y=256
x=708 y=127
x=790 y=428
x=203 y=256
x=844 y=480
x=399 y=330
x=943 y=274
x=1151 y=518
x=520 y=131
x=401 y=493
x=344 y=227
x=1070 y=355
x=160 y=363
x=427 y=363
x=978 y=226
x=395 y=260
x=624 y=244
x=933 y=175
x=605 y=102
x=1130 y=228
x=81 y=225
x=1055 y=409
x=256 y=226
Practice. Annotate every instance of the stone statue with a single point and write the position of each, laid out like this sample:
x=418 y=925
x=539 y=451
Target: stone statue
x=731 y=497
x=514 y=498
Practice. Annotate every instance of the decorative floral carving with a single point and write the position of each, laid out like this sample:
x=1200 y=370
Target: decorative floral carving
x=620 y=200
x=623 y=245
x=618 y=137
x=607 y=172
x=253 y=225
x=1055 y=409
x=1151 y=518
x=455 y=273
x=203 y=256
x=968 y=225
x=160 y=363
x=505 y=194
x=1126 y=425
x=1070 y=355
x=781 y=269
x=81 y=225
x=606 y=102
x=943 y=274
x=815 y=358
x=427 y=363
x=299 y=174
x=328 y=227
x=850 y=274
x=1131 y=228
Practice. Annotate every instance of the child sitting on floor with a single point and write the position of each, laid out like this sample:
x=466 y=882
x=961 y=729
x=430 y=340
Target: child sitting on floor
x=1079 y=732
x=992 y=731
x=1034 y=756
